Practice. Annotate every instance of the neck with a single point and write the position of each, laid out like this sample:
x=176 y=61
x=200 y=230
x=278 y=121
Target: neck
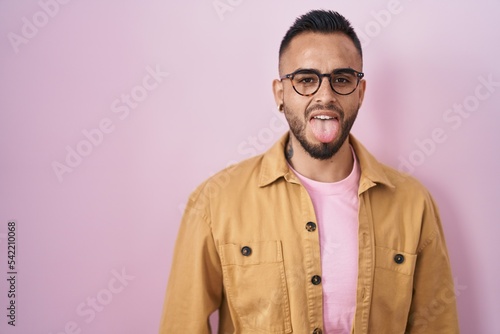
x=334 y=169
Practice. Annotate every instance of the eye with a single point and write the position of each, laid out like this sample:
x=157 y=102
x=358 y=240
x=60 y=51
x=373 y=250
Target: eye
x=341 y=80
x=305 y=79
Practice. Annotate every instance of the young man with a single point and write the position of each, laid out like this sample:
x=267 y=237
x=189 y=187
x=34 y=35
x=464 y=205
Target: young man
x=314 y=236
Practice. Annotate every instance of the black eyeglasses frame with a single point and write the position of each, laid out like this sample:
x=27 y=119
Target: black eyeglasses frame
x=359 y=76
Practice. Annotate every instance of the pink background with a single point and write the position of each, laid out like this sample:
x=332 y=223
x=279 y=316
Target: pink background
x=118 y=210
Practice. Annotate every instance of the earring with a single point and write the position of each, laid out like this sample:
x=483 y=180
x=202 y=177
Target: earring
x=280 y=107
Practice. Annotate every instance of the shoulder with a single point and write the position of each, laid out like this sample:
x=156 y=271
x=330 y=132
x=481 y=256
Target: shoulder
x=250 y=174
x=404 y=181
x=386 y=178
x=405 y=190
x=230 y=179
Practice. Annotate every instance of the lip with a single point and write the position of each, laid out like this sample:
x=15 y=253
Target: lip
x=327 y=113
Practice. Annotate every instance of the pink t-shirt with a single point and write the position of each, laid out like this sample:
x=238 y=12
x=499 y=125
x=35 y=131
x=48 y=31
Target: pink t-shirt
x=336 y=206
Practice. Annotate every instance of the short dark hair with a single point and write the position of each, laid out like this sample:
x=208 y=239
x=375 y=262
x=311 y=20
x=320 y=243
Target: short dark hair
x=322 y=21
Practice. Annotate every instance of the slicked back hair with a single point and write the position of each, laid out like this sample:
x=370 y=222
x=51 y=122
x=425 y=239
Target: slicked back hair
x=320 y=21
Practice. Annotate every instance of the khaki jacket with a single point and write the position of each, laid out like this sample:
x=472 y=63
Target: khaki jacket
x=248 y=247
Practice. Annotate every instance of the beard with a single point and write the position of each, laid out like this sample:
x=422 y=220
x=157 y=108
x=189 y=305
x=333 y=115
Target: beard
x=321 y=151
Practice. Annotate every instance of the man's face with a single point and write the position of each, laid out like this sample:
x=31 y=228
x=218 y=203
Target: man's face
x=320 y=122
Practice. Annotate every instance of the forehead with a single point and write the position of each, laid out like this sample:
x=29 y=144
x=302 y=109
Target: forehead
x=324 y=52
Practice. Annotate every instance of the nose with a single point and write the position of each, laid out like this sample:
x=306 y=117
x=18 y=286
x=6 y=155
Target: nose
x=325 y=93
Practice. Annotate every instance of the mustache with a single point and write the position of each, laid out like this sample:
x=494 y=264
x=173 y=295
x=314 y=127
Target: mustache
x=330 y=106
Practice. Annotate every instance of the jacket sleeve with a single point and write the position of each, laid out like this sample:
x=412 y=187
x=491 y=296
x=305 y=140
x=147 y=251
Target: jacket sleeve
x=433 y=307
x=195 y=284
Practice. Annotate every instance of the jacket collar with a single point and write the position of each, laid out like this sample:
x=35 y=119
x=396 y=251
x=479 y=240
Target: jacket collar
x=274 y=166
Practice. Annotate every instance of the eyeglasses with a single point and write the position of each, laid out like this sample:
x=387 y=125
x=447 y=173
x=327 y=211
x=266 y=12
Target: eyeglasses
x=306 y=82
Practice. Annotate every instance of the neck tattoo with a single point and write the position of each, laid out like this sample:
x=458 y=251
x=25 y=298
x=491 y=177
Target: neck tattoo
x=289 y=150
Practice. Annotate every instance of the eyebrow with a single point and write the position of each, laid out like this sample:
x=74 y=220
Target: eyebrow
x=342 y=70
x=335 y=71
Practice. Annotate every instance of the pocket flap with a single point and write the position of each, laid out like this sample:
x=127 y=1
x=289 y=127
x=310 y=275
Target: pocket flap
x=261 y=252
x=395 y=260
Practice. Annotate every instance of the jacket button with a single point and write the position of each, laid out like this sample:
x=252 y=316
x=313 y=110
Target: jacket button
x=246 y=251
x=399 y=258
x=317 y=331
x=316 y=279
x=311 y=227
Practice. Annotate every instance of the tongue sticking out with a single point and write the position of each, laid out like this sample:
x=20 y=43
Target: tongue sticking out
x=324 y=130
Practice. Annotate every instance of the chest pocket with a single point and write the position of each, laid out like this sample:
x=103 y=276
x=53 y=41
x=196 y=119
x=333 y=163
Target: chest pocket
x=255 y=283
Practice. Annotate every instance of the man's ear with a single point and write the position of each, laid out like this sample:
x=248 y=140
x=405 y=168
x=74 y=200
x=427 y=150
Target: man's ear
x=278 y=93
x=361 y=91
